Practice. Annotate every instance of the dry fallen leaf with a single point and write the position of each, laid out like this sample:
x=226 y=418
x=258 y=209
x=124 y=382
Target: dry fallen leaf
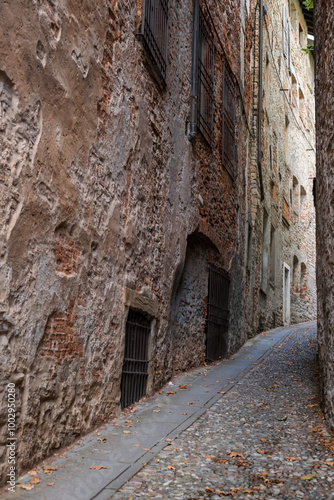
x=126 y=432
x=169 y=440
x=185 y=413
x=50 y=470
x=210 y=490
x=50 y=484
x=329 y=463
x=169 y=393
x=242 y=463
x=33 y=473
x=308 y=477
x=99 y=433
x=146 y=449
x=35 y=480
x=236 y=454
x=209 y=457
x=97 y=467
x=249 y=492
x=27 y=486
x=128 y=421
x=264 y=440
x=170 y=467
x=182 y=387
x=220 y=461
x=136 y=445
x=260 y=451
x=156 y=411
x=291 y=459
x=103 y=440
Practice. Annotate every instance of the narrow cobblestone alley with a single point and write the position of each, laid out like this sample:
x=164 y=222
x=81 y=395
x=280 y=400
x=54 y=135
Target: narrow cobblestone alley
x=262 y=436
x=265 y=438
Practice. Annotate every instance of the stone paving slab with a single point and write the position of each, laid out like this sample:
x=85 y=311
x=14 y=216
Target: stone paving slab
x=130 y=445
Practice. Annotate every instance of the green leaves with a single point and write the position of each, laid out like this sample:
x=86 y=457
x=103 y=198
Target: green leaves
x=309 y=4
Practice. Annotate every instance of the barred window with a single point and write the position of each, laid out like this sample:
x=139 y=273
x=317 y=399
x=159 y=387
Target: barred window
x=229 y=155
x=154 y=33
x=205 y=73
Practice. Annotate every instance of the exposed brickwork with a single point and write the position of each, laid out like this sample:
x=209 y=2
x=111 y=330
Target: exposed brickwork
x=67 y=253
x=61 y=339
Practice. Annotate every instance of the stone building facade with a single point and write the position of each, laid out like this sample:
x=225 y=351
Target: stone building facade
x=141 y=232
x=280 y=277
x=324 y=29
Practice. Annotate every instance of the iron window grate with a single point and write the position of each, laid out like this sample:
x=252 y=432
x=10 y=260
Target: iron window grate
x=218 y=314
x=135 y=365
x=154 y=33
x=228 y=142
x=205 y=76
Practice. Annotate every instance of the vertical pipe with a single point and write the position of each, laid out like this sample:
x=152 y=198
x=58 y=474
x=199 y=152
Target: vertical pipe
x=259 y=110
x=194 y=70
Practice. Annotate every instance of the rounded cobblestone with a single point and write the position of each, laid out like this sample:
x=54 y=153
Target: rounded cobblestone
x=265 y=438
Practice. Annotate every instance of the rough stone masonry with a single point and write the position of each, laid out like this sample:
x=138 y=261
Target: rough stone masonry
x=107 y=206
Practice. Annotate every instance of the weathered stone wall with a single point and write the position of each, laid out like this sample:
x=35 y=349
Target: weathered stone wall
x=324 y=29
x=283 y=228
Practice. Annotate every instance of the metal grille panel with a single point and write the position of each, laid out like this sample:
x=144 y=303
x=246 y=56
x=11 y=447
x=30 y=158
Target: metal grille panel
x=205 y=83
x=135 y=366
x=154 y=32
x=229 y=122
x=218 y=314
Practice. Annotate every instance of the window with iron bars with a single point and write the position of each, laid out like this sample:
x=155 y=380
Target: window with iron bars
x=205 y=74
x=229 y=151
x=154 y=34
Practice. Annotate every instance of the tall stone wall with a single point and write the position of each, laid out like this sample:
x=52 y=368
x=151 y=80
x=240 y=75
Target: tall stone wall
x=324 y=29
x=106 y=205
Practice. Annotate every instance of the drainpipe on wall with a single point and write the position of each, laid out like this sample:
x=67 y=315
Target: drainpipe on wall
x=259 y=110
x=194 y=67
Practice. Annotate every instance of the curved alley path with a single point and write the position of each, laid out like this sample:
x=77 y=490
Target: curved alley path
x=265 y=438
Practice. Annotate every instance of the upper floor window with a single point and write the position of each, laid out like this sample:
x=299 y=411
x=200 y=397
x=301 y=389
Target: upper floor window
x=205 y=72
x=229 y=122
x=154 y=33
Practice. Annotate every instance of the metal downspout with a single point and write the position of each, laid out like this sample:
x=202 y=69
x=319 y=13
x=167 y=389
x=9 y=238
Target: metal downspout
x=259 y=110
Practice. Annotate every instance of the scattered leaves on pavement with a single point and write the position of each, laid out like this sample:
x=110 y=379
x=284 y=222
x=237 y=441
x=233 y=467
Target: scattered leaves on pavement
x=182 y=387
x=35 y=480
x=97 y=467
x=50 y=484
x=236 y=454
x=103 y=440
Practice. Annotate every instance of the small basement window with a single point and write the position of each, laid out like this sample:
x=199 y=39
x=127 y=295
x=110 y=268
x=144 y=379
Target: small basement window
x=136 y=357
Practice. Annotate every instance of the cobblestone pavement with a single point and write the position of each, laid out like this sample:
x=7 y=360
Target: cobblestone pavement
x=265 y=438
